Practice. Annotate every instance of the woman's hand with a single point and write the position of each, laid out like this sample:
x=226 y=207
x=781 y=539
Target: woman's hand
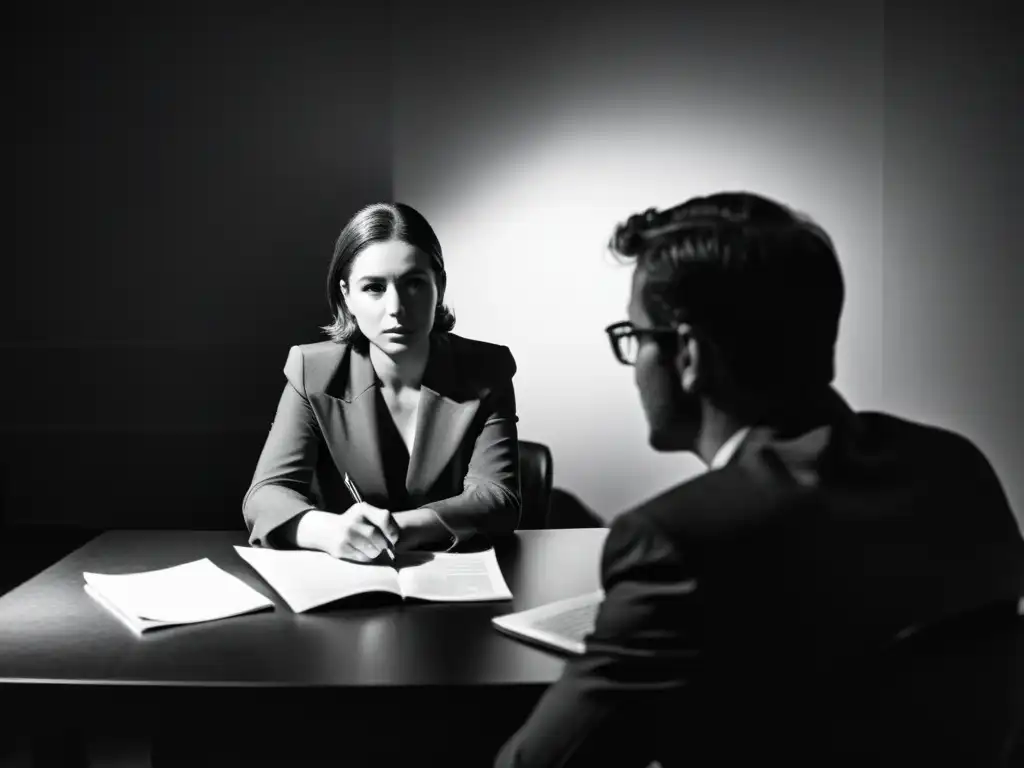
x=359 y=534
x=421 y=528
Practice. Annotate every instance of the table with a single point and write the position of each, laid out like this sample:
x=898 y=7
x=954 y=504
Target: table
x=64 y=658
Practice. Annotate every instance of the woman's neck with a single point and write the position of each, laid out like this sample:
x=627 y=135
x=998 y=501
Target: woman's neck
x=403 y=370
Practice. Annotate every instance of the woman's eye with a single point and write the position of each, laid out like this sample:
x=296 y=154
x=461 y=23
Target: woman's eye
x=373 y=288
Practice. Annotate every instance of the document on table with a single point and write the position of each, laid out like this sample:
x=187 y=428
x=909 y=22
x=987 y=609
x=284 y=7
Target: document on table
x=561 y=625
x=190 y=593
x=305 y=579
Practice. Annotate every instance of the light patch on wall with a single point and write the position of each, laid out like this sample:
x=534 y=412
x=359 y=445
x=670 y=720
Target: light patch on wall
x=526 y=179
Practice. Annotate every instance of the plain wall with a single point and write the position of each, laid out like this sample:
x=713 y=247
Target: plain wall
x=536 y=133
x=180 y=178
x=954 y=276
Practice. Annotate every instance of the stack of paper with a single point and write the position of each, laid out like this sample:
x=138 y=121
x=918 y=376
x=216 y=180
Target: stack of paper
x=306 y=579
x=183 y=594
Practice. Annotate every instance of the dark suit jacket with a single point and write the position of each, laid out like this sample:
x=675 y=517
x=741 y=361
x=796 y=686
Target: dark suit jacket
x=735 y=601
x=465 y=460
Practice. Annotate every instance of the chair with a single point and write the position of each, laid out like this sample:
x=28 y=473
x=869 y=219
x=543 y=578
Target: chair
x=953 y=695
x=536 y=475
x=566 y=510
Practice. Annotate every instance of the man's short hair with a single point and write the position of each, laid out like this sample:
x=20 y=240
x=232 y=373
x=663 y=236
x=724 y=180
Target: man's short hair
x=758 y=281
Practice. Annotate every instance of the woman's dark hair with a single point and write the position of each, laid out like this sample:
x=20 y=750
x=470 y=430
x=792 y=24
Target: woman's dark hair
x=758 y=281
x=379 y=223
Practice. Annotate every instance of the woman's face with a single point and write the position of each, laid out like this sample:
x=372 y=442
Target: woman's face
x=392 y=293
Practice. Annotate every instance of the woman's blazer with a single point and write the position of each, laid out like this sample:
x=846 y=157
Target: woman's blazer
x=465 y=459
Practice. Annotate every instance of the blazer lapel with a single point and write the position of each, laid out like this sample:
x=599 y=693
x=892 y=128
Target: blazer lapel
x=350 y=426
x=444 y=416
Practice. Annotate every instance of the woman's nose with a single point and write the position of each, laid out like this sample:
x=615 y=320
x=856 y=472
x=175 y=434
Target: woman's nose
x=393 y=300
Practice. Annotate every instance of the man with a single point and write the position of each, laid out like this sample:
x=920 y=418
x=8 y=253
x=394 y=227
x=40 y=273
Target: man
x=743 y=608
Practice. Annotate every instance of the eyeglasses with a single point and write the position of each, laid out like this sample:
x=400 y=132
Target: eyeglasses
x=625 y=339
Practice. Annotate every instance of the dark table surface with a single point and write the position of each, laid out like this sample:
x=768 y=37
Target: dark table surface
x=52 y=632
x=438 y=672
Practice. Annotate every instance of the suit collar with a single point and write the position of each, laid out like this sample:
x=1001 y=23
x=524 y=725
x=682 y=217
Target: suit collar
x=350 y=428
x=728 y=448
x=800 y=442
x=355 y=375
x=440 y=375
x=448 y=404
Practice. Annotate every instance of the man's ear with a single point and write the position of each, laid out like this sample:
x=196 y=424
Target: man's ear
x=688 y=359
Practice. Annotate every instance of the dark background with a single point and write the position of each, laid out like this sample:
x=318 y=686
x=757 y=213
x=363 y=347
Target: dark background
x=180 y=177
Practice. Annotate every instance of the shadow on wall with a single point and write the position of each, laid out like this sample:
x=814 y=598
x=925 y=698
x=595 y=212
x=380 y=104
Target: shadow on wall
x=128 y=479
x=60 y=488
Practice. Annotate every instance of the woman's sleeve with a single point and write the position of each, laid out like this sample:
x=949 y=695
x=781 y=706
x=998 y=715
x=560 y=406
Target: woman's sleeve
x=280 y=487
x=490 y=499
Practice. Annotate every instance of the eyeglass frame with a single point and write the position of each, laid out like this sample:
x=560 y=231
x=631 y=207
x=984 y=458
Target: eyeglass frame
x=625 y=329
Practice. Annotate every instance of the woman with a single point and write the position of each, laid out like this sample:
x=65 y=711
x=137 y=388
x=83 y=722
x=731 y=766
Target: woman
x=421 y=421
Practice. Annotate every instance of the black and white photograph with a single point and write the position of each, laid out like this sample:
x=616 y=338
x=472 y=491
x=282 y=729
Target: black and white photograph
x=513 y=385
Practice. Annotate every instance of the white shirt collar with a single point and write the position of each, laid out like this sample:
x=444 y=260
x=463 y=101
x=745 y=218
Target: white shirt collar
x=728 y=448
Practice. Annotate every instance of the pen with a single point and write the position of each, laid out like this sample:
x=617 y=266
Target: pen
x=355 y=495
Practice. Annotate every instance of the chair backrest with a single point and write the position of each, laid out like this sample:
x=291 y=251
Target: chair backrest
x=536 y=475
x=949 y=697
x=567 y=510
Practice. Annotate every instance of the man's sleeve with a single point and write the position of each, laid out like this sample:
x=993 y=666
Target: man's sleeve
x=612 y=704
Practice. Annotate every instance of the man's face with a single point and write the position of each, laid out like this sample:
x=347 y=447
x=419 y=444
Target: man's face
x=673 y=417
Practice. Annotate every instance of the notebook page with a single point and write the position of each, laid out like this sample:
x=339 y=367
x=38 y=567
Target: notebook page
x=182 y=594
x=455 y=576
x=306 y=579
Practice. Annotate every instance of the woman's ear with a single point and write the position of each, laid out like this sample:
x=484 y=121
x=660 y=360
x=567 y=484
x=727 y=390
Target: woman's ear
x=344 y=291
x=688 y=359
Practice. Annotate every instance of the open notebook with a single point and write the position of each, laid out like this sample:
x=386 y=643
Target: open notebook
x=562 y=625
x=306 y=579
x=182 y=594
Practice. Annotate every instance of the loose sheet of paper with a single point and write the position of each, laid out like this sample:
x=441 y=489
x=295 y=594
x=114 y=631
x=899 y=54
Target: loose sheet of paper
x=305 y=579
x=135 y=624
x=183 y=594
x=455 y=576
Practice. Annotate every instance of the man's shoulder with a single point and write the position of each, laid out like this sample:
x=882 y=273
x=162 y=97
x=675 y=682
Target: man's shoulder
x=889 y=466
x=888 y=433
x=711 y=505
x=938 y=459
